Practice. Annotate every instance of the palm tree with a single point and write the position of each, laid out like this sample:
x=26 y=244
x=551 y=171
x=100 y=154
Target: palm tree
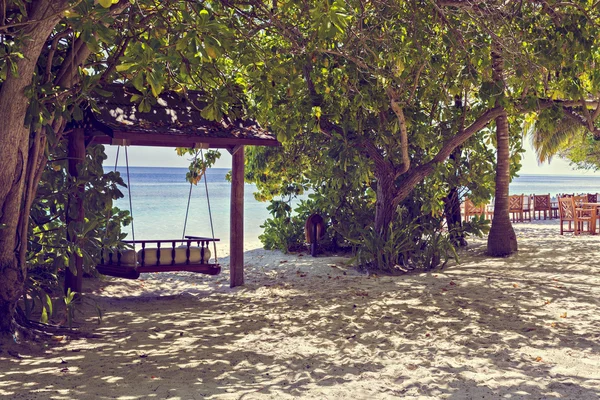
x=551 y=135
x=502 y=240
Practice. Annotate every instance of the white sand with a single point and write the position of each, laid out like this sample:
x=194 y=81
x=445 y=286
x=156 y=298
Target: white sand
x=524 y=327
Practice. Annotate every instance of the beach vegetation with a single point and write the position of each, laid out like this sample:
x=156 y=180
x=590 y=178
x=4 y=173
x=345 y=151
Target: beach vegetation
x=53 y=55
x=370 y=101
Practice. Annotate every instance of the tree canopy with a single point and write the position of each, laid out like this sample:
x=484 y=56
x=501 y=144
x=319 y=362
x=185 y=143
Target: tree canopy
x=384 y=108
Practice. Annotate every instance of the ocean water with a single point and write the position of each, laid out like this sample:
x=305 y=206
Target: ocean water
x=554 y=184
x=159 y=197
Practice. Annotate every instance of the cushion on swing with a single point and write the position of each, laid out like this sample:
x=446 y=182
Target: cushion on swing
x=128 y=257
x=151 y=256
x=196 y=253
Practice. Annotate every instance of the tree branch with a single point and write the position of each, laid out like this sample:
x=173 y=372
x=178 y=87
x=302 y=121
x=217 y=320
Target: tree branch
x=417 y=174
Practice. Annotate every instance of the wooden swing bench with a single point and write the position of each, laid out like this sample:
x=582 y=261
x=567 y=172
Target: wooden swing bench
x=192 y=255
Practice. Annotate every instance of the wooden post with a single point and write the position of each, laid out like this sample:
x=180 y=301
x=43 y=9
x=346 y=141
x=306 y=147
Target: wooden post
x=236 y=236
x=75 y=211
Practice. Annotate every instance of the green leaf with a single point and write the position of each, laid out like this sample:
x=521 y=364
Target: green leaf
x=106 y=3
x=77 y=113
x=138 y=81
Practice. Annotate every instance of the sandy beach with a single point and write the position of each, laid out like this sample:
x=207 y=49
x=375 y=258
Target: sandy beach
x=524 y=327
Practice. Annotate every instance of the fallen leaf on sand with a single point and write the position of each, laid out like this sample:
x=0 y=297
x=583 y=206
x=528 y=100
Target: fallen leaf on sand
x=538 y=359
x=515 y=285
x=563 y=315
x=452 y=283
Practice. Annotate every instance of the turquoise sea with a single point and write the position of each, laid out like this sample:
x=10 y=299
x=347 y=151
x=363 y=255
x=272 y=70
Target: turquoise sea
x=159 y=197
x=159 y=200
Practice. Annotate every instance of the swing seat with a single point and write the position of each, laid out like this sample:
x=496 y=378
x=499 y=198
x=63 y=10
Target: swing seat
x=192 y=255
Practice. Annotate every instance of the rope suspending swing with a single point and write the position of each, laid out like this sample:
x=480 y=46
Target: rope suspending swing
x=187 y=210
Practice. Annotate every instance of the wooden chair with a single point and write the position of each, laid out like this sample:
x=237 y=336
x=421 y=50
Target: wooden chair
x=592 y=197
x=527 y=207
x=542 y=204
x=472 y=210
x=579 y=200
x=575 y=216
x=489 y=211
x=515 y=207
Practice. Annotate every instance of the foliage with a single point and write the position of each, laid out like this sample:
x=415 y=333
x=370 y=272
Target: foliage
x=73 y=302
x=49 y=246
x=406 y=246
x=363 y=94
x=199 y=163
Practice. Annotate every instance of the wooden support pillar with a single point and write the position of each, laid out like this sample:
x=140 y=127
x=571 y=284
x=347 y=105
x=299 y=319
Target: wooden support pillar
x=75 y=211
x=236 y=236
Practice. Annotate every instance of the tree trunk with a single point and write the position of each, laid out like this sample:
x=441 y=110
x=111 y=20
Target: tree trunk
x=502 y=240
x=14 y=149
x=75 y=210
x=385 y=205
x=452 y=204
x=453 y=217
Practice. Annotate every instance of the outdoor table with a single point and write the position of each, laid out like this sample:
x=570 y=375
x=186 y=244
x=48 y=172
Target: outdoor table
x=596 y=208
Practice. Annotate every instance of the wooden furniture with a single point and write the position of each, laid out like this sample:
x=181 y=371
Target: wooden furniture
x=527 y=207
x=554 y=208
x=576 y=217
x=515 y=207
x=159 y=256
x=542 y=204
x=471 y=210
x=580 y=199
x=592 y=197
x=489 y=211
x=116 y=120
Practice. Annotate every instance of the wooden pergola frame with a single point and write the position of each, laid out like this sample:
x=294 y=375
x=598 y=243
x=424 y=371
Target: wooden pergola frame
x=161 y=127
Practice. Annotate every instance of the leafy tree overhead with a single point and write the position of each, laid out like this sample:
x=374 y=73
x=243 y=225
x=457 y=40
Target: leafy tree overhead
x=362 y=92
x=54 y=53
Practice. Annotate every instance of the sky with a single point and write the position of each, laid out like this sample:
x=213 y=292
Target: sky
x=166 y=157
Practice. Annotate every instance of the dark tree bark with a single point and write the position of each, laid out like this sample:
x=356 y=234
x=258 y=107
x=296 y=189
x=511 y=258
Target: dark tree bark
x=385 y=207
x=452 y=206
x=502 y=240
x=14 y=154
x=76 y=212
x=453 y=217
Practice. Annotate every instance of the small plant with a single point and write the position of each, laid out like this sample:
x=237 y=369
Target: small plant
x=404 y=246
x=70 y=307
x=73 y=301
x=38 y=288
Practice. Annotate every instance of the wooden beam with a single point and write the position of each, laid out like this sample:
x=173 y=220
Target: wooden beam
x=236 y=258
x=234 y=149
x=75 y=210
x=179 y=140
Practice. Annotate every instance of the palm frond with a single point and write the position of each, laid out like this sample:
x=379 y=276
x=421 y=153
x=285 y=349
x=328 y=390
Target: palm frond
x=548 y=138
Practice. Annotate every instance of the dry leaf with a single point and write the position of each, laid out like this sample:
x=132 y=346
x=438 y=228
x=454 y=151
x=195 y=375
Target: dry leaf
x=452 y=283
x=515 y=285
x=538 y=359
x=564 y=315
